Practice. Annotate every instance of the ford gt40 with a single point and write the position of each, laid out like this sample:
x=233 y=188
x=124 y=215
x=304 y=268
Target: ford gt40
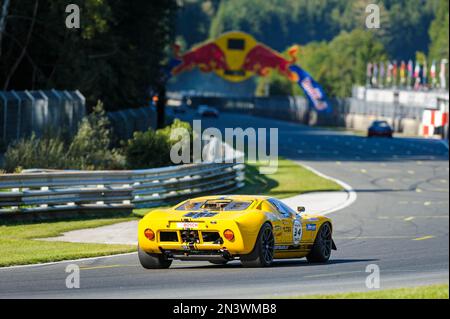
x=253 y=229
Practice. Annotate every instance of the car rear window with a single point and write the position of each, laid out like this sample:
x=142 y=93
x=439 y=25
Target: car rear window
x=381 y=124
x=216 y=205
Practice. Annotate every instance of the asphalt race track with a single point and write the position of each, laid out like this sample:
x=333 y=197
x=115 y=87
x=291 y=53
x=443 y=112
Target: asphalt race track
x=400 y=222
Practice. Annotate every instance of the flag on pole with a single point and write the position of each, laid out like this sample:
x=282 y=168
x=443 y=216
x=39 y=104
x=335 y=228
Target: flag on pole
x=433 y=74
x=417 y=75
x=403 y=73
x=425 y=73
x=442 y=71
x=389 y=73
x=313 y=91
x=375 y=73
x=417 y=70
x=410 y=72
x=382 y=73
x=395 y=72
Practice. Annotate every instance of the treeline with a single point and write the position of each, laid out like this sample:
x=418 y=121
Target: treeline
x=340 y=63
x=280 y=23
x=114 y=57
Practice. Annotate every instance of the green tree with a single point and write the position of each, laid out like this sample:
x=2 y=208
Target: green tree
x=193 y=20
x=115 y=56
x=409 y=23
x=279 y=23
x=90 y=148
x=439 y=32
x=349 y=54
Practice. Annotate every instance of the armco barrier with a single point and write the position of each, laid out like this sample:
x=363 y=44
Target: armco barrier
x=48 y=191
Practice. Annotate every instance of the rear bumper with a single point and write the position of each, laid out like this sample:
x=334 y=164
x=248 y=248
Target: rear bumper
x=200 y=255
x=179 y=246
x=381 y=134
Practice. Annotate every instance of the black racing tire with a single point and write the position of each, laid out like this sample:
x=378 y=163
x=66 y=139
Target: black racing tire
x=218 y=262
x=323 y=244
x=153 y=261
x=263 y=252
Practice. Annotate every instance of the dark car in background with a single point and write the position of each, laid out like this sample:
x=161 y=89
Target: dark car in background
x=380 y=129
x=206 y=110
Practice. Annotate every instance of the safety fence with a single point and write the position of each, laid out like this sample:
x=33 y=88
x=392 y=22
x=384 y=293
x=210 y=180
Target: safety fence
x=125 y=122
x=352 y=113
x=296 y=107
x=24 y=112
x=51 y=191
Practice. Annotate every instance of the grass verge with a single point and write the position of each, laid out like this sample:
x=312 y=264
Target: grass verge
x=422 y=292
x=18 y=244
x=290 y=179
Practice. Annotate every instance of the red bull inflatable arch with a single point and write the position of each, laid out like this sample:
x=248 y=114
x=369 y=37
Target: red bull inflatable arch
x=236 y=56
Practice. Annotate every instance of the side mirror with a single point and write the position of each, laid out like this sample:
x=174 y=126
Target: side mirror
x=301 y=209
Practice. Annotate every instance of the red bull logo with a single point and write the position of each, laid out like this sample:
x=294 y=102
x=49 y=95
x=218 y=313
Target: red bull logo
x=236 y=56
x=207 y=58
x=262 y=59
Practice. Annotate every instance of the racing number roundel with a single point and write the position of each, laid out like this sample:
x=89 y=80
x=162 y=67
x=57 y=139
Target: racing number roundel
x=297 y=232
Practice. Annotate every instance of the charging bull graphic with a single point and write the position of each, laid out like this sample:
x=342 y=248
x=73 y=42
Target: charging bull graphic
x=207 y=57
x=262 y=60
x=237 y=56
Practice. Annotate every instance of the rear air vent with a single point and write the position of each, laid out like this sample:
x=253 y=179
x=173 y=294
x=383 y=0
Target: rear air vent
x=213 y=237
x=168 y=236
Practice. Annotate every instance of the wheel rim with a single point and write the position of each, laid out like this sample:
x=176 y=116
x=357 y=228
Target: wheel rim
x=268 y=243
x=326 y=241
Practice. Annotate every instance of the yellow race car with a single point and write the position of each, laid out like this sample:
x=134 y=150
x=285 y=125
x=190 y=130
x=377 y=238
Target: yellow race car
x=254 y=229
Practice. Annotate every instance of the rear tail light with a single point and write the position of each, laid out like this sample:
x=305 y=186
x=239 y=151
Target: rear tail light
x=149 y=234
x=228 y=234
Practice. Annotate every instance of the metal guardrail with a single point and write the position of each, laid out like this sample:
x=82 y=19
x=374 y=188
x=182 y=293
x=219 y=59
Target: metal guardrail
x=57 y=191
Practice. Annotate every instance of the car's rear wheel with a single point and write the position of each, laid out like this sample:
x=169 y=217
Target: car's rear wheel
x=323 y=244
x=153 y=261
x=262 y=254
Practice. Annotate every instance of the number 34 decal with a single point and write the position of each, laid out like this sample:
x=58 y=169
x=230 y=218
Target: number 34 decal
x=297 y=232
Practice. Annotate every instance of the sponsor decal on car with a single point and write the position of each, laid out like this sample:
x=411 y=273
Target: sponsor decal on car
x=281 y=247
x=311 y=227
x=297 y=232
x=187 y=225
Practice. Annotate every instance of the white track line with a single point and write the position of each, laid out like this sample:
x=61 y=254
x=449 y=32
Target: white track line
x=66 y=261
x=350 y=191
